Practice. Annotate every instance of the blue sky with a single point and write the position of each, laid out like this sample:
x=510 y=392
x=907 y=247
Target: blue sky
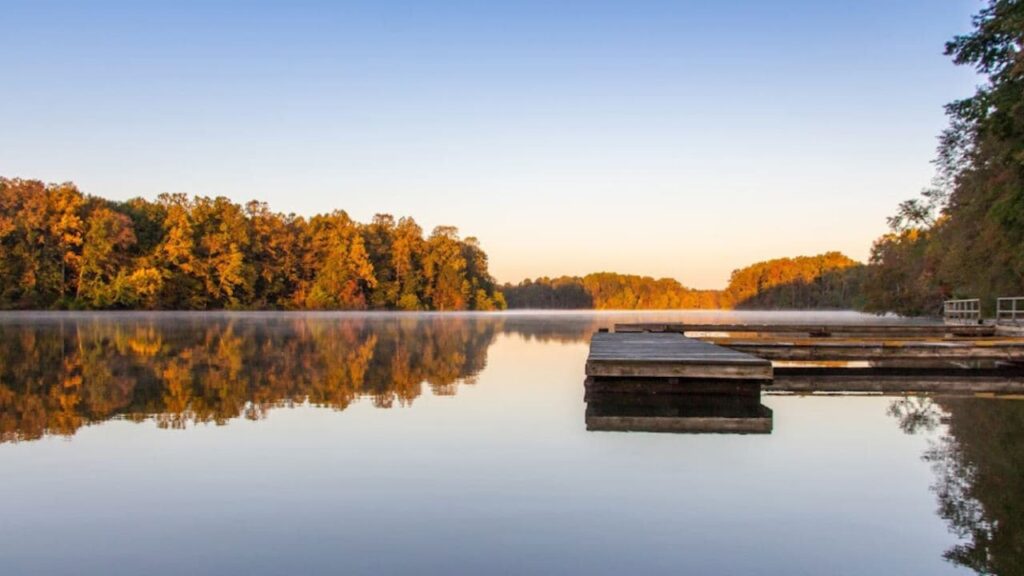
x=680 y=139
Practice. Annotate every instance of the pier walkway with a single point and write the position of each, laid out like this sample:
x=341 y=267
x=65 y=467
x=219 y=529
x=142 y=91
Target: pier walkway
x=882 y=358
x=669 y=355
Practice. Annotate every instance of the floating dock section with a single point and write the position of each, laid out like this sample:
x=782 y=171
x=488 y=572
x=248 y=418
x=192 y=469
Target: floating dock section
x=670 y=355
x=709 y=377
x=877 y=358
x=668 y=382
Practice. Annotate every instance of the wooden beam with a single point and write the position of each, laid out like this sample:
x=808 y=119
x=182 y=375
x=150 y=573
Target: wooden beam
x=821 y=330
x=867 y=380
x=850 y=350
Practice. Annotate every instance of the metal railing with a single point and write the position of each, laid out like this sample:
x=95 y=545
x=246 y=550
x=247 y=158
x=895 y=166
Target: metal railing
x=962 y=311
x=1010 y=310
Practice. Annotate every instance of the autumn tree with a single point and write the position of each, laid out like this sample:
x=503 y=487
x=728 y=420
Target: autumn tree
x=379 y=239
x=221 y=244
x=483 y=292
x=41 y=236
x=408 y=249
x=444 y=270
x=105 y=262
x=339 y=270
x=277 y=244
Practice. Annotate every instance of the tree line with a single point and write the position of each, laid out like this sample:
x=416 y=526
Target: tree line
x=606 y=291
x=62 y=249
x=964 y=237
x=829 y=280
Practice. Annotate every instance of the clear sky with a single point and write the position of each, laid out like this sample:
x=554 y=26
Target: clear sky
x=680 y=139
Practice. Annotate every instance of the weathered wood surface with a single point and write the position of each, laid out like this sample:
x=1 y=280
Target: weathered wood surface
x=820 y=330
x=1010 y=350
x=1010 y=330
x=636 y=388
x=897 y=381
x=910 y=384
x=669 y=355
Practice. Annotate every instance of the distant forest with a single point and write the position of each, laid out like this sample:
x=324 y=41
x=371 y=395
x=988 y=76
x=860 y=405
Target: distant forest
x=829 y=280
x=61 y=249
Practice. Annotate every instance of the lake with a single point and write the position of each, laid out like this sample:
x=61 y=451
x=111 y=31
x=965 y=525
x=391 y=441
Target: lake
x=342 y=443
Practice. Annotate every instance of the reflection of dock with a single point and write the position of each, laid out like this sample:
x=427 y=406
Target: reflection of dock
x=679 y=413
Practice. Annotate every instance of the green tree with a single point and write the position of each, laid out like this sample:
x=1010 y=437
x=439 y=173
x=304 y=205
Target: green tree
x=975 y=246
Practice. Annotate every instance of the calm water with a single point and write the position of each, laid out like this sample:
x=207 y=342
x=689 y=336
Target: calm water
x=456 y=444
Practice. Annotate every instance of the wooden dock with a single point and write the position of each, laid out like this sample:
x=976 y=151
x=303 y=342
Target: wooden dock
x=727 y=359
x=689 y=378
x=670 y=355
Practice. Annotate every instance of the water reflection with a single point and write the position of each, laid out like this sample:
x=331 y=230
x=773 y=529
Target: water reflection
x=62 y=371
x=58 y=376
x=979 y=476
x=509 y=460
x=690 y=414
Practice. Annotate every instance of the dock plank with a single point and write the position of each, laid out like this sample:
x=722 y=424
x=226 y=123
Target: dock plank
x=887 y=330
x=653 y=354
x=1011 y=350
x=893 y=382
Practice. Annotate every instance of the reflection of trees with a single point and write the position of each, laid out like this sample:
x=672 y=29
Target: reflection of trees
x=915 y=413
x=60 y=373
x=979 y=468
x=58 y=376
